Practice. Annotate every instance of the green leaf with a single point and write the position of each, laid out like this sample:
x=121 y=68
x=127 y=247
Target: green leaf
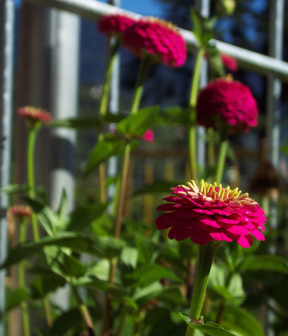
x=129 y=256
x=145 y=294
x=84 y=215
x=104 y=247
x=45 y=283
x=137 y=124
x=172 y=296
x=77 y=123
x=102 y=151
x=239 y=320
x=66 y=322
x=15 y=188
x=209 y=328
x=16 y=296
x=149 y=273
x=45 y=215
x=158 y=187
x=202 y=26
x=215 y=60
x=264 y=263
x=284 y=148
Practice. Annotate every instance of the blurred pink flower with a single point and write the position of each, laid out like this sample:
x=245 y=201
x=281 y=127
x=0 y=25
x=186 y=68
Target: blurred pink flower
x=158 y=38
x=210 y=212
x=34 y=115
x=225 y=101
x=114 y=24
x=229 y=62
x=20 y=212
x=148 y=136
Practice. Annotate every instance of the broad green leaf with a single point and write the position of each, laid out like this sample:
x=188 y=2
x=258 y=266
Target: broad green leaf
x=145 y=294
x=84 y=215
x=264 y=263
x=45 y=215
x=104 y=247
x=15 y=188
x=241 y=321
x=102 y=151
x=158 y=187
x=172 y=296
x=208 y=328
x=77 y=123
x=43 y=284
x=170 y=115
x=146 y=274
x=16 y=296
x=66 y=322
x=129 y=256
x=137 y=124
x=71 y=266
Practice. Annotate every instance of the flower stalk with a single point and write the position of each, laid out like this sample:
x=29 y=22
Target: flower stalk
x=103 y=112
x=205 y=259
x=192 y=105
x=222 y=156
x=31 y=182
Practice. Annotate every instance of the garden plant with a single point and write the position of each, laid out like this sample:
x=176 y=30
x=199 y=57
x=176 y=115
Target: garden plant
x=204 y=267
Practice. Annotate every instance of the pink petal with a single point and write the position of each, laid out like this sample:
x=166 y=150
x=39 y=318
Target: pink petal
x=203 y=211
x=201 y=238
x=220 y=236
x=245 y=241
x=168 y=207
x=185 y=214
x=237 y=230
x=178 y=233
x=221 y=212
x=209 y=221
x=258 y=234
x=165 y=221
x=227 y=220
x=173 y=199
x=192 y=224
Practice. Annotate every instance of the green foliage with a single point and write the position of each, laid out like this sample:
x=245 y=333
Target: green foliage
x=264 y=262
x=203 y=27
x=16 y=296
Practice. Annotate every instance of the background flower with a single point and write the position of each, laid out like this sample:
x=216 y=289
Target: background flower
x=115 y=24
x=210 y=212
x=229 y=62
x=225 y=101
x=33 y=114
x=158 y=38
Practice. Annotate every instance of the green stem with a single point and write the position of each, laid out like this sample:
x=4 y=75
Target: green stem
x=30 y=172
x=221 y=160
x=103 y=111
x=106 y=87
x=31 y=182
x=192 y=104
x=211 y=149
x=21 y=281
x=205 y=259
x=121 y=187
x=84 y=312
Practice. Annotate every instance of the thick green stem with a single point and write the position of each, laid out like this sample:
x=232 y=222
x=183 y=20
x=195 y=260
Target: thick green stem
x=30 y=174
x=21 y=282
x=205 y=259
x=192 y=104
x=103 y=111
x=211 y=148
x=31 y=182
x=84 y=312
x=221 y=160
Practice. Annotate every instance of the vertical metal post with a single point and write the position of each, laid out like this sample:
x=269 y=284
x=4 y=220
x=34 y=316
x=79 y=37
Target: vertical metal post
x=274 y=83
x=65 y=28
x=204 y=7
x=6 y=93
x=273 y=112
x=114 y=105
x=65 y=41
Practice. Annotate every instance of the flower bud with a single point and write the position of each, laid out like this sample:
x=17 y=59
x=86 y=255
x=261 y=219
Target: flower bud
x=226 y=7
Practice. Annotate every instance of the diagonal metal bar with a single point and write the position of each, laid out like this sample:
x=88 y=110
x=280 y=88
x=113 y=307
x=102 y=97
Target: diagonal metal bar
x=93 y=10
x=6 y=92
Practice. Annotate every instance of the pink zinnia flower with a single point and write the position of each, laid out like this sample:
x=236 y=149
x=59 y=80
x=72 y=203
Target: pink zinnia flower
x=210 y=212
x=158 y=38
x=114 y=24
x=225 y=101
x=229 y=62
x=19 y=211
x=148 y=136
x=34 y=115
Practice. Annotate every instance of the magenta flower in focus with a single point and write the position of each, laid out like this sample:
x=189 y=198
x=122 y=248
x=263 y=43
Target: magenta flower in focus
x=158 y=38
x=210 y=212
x=148 y=136
x=34 y=115
x=229 y=62
x=114 y=24
x=227 y=102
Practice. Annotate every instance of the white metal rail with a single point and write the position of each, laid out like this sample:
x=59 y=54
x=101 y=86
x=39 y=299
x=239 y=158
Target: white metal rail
x=93 y=10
